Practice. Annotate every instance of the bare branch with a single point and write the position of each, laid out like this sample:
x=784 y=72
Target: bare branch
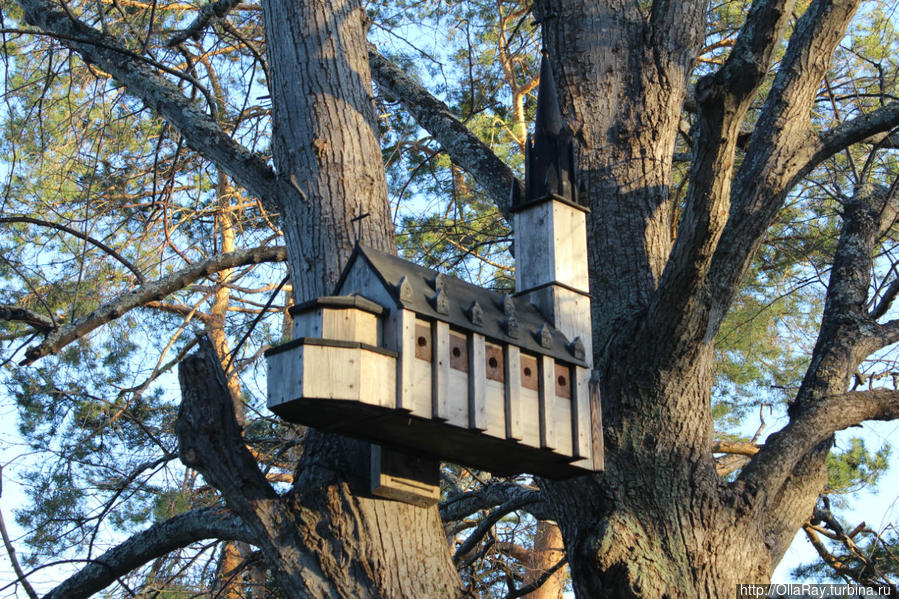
x=730 y=463
x=736 y=448
x=213 y=10
x=156 y=541
x=463 y=146
x=487 y=523
x=530 y=588
x=199 y=130
x=812 y=425
x=11 y=553
x=79 y=235
x=155 y=290
x=493 y=494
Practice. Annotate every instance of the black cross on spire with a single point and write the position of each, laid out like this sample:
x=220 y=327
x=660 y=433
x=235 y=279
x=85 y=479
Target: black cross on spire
x=358 y=222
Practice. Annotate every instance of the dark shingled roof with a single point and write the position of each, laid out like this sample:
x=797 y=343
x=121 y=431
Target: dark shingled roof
x=437 y=296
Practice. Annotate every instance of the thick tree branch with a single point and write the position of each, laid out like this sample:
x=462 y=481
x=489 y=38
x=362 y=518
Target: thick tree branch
x=777 y=152
x=31 y=318
x=723 y=99
x=539 y=582
x=487 y=523
x=497 y=493
x=156 y=541
x=813 y=425
x=887 y=334
x=154 y=290
x=730 y=463
x=199 y=130
x=736 y=448
x=828 y=143
x=463 y=146
x=212 y=442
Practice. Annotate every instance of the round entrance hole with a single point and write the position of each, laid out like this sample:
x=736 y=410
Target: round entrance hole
x=492 y=362
x=457 y=352
x=562 y=381
x=422 y=342
x=527 y=371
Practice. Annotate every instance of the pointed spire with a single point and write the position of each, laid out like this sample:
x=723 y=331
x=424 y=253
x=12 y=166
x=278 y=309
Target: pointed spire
x=549 y=152
x=549 y=114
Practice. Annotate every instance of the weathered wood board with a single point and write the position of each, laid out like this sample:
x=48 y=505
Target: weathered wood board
x=350 y=388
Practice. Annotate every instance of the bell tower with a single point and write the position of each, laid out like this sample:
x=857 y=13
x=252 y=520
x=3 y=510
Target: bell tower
x=549 y=223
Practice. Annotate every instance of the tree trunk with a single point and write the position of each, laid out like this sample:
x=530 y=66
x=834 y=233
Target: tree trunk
x=325 y=143
x=653 y=524
x=548 y=550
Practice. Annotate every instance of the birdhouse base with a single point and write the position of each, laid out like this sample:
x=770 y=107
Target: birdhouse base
x=404 y=477
x=427 y=437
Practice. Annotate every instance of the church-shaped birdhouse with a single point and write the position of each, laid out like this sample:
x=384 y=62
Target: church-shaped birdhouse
x=413 y=359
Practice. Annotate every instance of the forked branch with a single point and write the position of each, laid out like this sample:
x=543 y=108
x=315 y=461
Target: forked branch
x=778 y=149
x=814 y=424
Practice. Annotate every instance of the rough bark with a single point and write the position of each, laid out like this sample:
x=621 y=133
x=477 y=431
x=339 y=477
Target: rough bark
x=625 y=122
x=659 y=522
x=325 y=141
x=320 y=539
x=325 y=138
x=660 y=494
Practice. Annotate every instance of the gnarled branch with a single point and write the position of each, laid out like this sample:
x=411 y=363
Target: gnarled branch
x=154 y=290
x=778 y=149
x=813 y=425
x=207 y=13
x=497 y=493
x=156 y=541
x=723 y=99
x=30 y=317
x=463 y=146
x=212 y=442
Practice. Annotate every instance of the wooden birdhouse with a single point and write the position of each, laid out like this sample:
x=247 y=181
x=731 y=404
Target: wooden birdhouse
x=410 y=358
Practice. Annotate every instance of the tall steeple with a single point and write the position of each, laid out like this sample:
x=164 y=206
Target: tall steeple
x=549 y=221
x=550 y=170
